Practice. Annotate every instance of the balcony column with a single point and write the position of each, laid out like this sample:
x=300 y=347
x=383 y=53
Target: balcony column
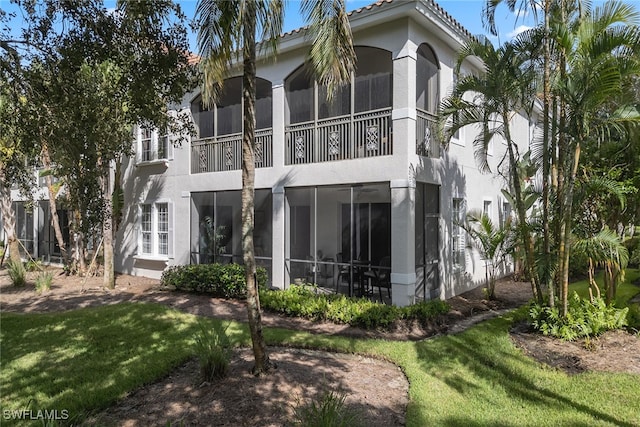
x=278 y=142
x=278 y=278
x=404 y=103
x=403 y=248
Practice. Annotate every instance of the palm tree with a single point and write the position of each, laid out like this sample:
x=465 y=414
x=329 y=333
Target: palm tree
x=492 y=242
x=489 y=19
x=602 y=54
x=605 y=250
x=498 y=93
x=227 y=33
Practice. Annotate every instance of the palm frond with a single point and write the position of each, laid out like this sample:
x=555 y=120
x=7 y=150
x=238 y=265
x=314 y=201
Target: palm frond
x=332 y=55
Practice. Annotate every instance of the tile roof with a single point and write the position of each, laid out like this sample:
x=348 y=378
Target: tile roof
x=381 y=3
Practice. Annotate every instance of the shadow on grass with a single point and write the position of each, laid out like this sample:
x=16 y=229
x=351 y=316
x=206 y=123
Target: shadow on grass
x=482 y=364
x=84 y=360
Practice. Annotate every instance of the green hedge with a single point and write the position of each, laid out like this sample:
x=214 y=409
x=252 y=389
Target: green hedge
x=220 y=280
x=302 y=301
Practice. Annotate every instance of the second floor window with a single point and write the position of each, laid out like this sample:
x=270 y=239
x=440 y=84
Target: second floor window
x=427 y=83
x=152 y=145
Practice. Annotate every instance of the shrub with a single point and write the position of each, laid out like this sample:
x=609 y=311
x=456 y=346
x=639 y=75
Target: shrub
x=584 y=319
x=213 y=349
x=43 y=281
x=302 y=301
x=33 y=265
x=329 y=411
x=226 y=281
x=633 y=246
x=17 y=273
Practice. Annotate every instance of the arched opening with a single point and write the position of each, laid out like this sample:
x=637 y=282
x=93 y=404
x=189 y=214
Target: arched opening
x=355 y=123
x=218 y=146
x=427 y=70
x=427 y=101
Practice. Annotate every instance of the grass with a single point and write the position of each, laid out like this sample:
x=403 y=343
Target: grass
x=626 y=290
x=85 y=360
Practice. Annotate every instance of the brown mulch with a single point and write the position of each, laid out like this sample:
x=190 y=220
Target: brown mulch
x=375 y=389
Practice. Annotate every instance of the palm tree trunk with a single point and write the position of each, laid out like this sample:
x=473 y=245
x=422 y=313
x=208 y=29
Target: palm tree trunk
x=545 y=149
x=108 y=280
x=8 y=218
x=525 y=235
x=262 y=362
x=53 y=209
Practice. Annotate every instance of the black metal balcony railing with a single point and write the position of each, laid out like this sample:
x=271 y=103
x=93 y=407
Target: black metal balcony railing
x=224 y=153
x=427 y=143
x=340 y=138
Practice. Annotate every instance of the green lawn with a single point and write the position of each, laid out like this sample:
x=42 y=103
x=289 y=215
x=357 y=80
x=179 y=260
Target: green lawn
x=86 y=359
x=626 y=290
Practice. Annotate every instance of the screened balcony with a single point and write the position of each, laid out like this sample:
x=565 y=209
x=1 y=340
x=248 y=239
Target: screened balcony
x=218 y=146
x=355 y=123
x=427 y=101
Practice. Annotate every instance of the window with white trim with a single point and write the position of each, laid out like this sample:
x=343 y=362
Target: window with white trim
x=152 y=145
x=506 y=212
x=156 y=230
x=458 y=235
x=486 y=208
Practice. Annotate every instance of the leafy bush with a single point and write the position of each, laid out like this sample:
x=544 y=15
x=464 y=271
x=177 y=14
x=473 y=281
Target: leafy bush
x=43 y=281
x=584 y=319
x=17 y=273
x=33 y=265
x=633 y=246
x=633 y=317
x=329 y=411
x=302 y=301
x=226 y=281
x=213 y=349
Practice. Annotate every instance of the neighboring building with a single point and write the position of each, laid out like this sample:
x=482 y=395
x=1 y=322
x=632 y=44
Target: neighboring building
x=361 y=179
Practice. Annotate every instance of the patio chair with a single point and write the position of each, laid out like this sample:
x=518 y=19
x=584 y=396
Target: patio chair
x=380 y=276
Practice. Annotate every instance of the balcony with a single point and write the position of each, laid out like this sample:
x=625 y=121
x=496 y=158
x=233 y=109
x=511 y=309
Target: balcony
x=340 y=138
x=224 y=153
x=427 y=143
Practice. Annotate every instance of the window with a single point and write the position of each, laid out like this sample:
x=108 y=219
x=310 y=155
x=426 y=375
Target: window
x=155 y=239
x=427 y=93
x=458 y=235
x=486 y=208
x=506 y=212
x=153 y=145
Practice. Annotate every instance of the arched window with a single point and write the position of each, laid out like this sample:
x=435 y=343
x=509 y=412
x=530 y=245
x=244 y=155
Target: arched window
x=225 y=118
x=300 y=98
x=373 y=79
x=373 y=89
x=427 y=94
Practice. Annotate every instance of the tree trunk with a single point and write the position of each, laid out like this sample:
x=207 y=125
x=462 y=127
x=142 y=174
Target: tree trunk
x=525 y=235
x=8 y=218
x=262 y=362
x=545 y=151
x=108 y=279
x=55 y=220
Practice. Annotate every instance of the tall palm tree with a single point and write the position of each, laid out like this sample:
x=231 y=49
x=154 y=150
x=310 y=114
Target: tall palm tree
x=489 y=19
x=501 y=91
x=602 y=55
x=227 y=33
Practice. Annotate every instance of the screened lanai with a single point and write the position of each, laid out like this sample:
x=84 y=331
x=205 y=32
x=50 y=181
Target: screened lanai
x=216 y=222
x=339 y=237
x=355 y=123
x=217 y=146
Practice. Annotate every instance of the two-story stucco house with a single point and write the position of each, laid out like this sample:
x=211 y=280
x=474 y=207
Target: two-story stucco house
x=358 y=184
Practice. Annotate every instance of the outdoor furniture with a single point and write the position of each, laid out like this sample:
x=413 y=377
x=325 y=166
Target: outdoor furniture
x=380 y=276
